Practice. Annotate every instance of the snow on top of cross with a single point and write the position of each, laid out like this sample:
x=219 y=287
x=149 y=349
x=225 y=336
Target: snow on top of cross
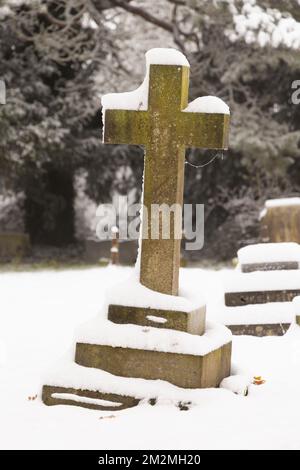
x=269 y=252
x=165 y=56
x=290 y=201
x=138 y=99
x=208 y=104
x=133 y=100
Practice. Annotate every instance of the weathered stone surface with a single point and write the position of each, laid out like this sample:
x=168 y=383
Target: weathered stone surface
x=183 y=370
x=165 y=131
x=270 y=329
x=49 y=390
x=274 y=266
x=235 y=299
x=13 y=245
x=281 y=224
x=191 y=322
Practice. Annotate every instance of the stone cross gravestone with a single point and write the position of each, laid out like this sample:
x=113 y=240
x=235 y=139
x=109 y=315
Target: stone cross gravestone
x=158 y=117
x=165 y=130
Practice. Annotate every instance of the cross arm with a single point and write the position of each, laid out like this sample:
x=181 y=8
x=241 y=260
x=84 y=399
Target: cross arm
x=123 y=126
x=204 y=130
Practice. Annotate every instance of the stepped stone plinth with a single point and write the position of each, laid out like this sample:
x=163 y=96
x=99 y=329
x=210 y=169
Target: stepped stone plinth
x=194 y=362
x=266 y=273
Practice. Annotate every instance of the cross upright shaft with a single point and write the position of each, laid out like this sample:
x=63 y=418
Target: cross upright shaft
x=164 y=130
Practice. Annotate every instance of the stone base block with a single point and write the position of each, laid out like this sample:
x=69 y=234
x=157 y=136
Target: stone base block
x=191 y=322
x=274 y=266
x=52 y=395
x=235 y=299
x=183 y=370
x=271 y=329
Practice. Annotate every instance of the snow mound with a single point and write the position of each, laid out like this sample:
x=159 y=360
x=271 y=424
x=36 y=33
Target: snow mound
x=269 y=252
x=258 y=314
x=132 y=293
x=282 y=202
x=262 y=281
x=208 y=104
x=165 y=56
x=3 y=353
x=237 y=384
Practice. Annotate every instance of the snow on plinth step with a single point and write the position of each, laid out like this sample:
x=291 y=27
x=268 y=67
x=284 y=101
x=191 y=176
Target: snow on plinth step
x=261 y=287
x=104 y=332
x=71 y=384
x=269 y=256
x=258 y=314
x=132 y=293
x=270 y=319
x=131 y=302
x=185 y=360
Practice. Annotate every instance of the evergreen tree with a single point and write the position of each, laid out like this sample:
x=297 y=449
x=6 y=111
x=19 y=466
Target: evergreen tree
x=59 y=57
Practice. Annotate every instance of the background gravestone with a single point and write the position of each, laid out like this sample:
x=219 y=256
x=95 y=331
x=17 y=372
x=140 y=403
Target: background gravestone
x=96 y=250
x=13 y=245
x=267 y=273
x=280 y=220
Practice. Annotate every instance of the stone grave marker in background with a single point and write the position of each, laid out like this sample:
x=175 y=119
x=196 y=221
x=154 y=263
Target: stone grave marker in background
x=280 y=220
x=100 y=250
x=269 y=257
x=13 y=245
x=152 y=332
x=114 y=250
x=267 y=273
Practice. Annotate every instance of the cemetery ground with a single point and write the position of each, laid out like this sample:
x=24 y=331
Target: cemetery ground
x=39 y=313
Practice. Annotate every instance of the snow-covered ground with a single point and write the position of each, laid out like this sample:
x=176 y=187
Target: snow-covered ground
x=38 y=314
